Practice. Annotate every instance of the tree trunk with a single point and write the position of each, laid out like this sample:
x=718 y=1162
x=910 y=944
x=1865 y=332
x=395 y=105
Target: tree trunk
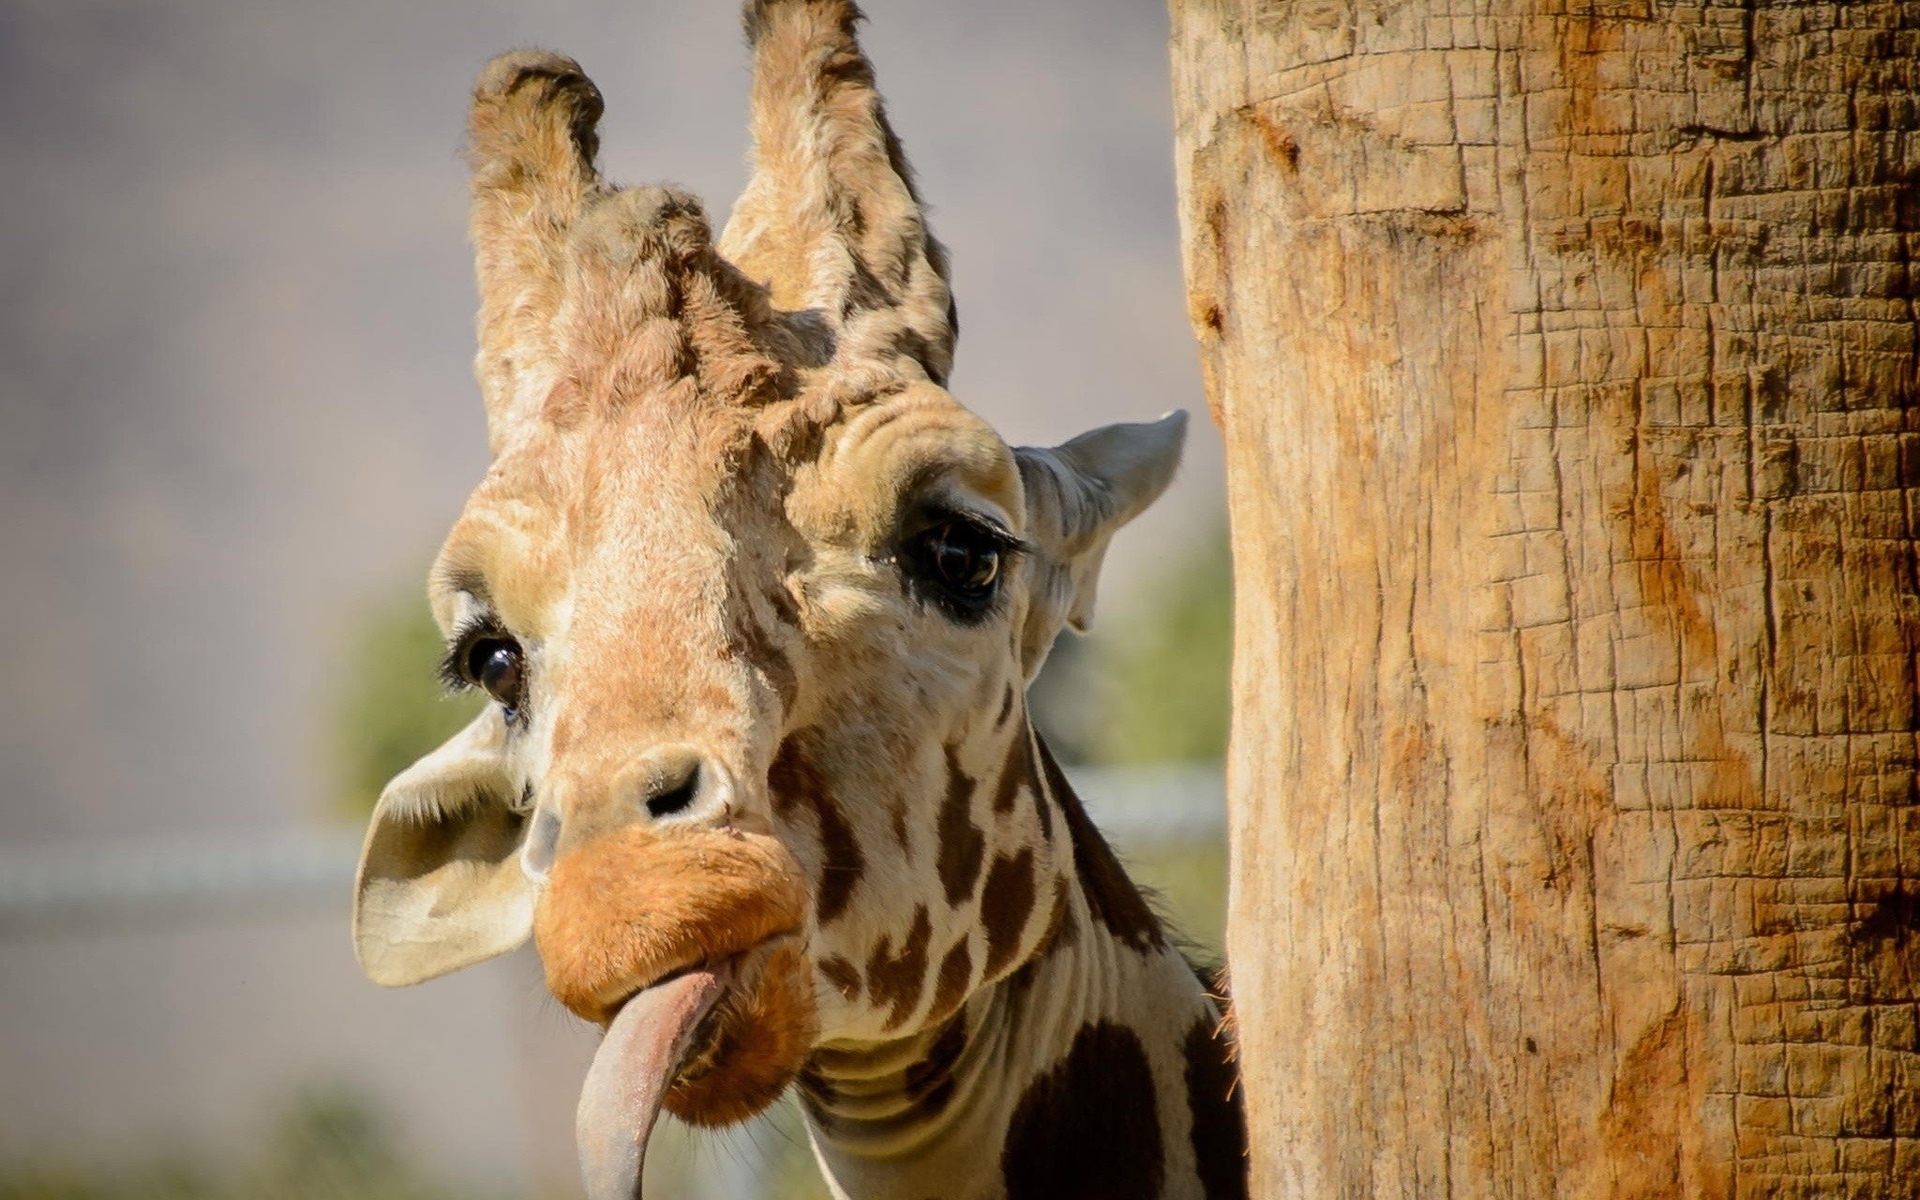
x=1566 y=359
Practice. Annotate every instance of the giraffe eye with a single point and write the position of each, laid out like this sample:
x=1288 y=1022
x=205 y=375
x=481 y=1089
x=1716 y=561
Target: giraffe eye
x=963 y=562
x=957 y=563
x=497 y=665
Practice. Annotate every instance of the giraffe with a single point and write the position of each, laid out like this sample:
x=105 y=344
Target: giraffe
x=756 y=602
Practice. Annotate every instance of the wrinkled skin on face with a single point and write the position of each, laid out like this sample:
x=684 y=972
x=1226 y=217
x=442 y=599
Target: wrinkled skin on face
x=755 y=598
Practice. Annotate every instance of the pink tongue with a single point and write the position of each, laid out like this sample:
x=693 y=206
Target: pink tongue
x=633 y=1068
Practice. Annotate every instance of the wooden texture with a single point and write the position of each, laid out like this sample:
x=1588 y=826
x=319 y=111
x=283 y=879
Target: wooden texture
x=1566 y=358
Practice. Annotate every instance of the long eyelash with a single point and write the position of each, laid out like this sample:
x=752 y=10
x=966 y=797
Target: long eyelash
x=1011 y=547
x=992 y=530
x=452 y=678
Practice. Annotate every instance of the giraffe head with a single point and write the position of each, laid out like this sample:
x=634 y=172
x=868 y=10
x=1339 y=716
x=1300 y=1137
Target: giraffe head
x=756 y=601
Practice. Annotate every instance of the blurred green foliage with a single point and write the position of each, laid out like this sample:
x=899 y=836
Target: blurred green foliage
x=1166 y=694
x=392 y=709
x=331 y=1145
x=1150 y=684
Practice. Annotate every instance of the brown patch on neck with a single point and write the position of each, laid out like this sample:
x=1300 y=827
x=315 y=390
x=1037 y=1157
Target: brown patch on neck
x=1112 y=897
x=1090 y=1126
x=1219 y=1131
x=795 y=780
x=1042 y=806
x=841 y=863
x=963 y=848
x=950 y=985
x=899 y=979
x=1005 y=905
x=1014 y=774
x=843 y=975
x=1061 y=933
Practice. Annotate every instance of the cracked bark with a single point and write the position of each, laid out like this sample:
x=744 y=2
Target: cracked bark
x=1566 y=358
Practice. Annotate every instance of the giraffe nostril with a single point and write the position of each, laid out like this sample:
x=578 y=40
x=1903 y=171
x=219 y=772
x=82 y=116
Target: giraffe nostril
x=676 y=781
x=675 y=798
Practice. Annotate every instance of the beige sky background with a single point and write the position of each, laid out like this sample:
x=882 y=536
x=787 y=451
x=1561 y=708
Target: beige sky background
x=235 y=401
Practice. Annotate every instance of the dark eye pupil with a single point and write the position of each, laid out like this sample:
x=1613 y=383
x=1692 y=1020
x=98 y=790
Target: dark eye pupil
x=496 y=667
x=962 y=564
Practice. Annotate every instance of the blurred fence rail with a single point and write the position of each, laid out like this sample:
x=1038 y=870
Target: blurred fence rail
x=86 y=882
x=101 y=881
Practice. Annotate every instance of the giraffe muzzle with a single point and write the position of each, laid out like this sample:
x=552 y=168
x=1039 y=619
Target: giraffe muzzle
x=638 y=905
x=685 y=942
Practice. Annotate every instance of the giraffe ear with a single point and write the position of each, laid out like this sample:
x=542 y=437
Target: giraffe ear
x=1079 y=494
x=440 y=885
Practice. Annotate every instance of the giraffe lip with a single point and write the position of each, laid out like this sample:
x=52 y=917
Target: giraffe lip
x=724 y=969
x=610 y=1000
x=736 y=965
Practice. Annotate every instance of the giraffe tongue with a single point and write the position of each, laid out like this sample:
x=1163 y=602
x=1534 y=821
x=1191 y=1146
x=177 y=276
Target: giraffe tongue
x=635 y=1065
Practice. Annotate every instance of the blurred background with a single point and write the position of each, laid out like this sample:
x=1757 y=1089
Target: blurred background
x=236 y=416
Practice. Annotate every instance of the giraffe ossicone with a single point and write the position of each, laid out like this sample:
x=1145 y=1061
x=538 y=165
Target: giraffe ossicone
x=757 y=602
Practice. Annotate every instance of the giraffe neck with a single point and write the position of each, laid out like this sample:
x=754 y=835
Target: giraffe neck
x=1096 y=1069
